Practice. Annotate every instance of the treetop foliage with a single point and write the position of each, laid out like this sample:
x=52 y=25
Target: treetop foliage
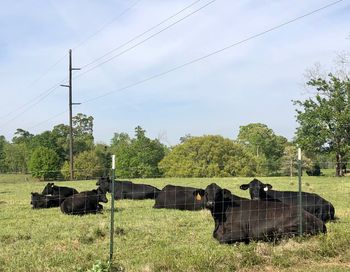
x=324 y=120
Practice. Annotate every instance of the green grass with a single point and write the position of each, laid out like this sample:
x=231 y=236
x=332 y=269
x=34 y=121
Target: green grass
x=149 y=239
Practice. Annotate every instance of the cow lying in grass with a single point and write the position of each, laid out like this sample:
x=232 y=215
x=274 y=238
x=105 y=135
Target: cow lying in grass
x=180 y=198
x=246 y=220
x=40 y=201
x=84 y=203
x=128 y=189
x=311 y=202
x=60 y=192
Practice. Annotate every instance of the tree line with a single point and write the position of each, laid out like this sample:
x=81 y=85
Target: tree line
x=323 y=134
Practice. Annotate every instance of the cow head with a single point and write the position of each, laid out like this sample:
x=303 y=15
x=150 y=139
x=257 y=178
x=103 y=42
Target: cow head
x=215 y=195
x=103 y=183
x=257 y=189
x=101 y=195
x=38 y=201
x=48 y=189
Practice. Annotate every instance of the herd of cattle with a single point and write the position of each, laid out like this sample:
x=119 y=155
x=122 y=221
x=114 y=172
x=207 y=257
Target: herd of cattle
x=268 y=215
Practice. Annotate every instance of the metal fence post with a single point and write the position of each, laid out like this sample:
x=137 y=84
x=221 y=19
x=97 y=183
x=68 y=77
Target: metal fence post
x=112 y=213
x=300 y=212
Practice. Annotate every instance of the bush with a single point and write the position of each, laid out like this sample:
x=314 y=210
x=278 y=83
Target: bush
x=208 y=156
x=44 y=164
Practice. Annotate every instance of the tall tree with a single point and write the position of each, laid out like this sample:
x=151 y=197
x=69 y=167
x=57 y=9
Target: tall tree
x=22 y=136
x=264 y=144
x=83 y=133
x=139 y=156
x=324 y=120
x=2 y=153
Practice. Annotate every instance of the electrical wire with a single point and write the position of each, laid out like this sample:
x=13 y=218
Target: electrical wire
x=214 y=52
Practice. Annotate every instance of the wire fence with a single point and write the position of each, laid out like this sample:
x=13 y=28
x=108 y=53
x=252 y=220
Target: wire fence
x=208 y=168
x=180 y=209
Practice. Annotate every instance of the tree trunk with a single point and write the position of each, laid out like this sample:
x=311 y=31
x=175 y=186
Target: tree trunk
x=338 y=166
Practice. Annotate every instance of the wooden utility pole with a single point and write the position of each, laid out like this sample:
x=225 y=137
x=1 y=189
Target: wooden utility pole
x=69 y=86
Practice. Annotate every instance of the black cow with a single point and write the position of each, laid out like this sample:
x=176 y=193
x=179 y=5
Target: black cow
x=311 y=202
x=84 y=203
x=60 y=192
x=40 y=201
x=243 y=220
x=181 y=198
x=127 y=189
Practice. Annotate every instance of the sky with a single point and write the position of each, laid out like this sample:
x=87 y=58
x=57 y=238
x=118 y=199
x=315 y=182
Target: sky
x=125 y=47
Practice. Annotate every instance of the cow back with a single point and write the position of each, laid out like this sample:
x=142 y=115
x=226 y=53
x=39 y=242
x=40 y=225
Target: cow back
x=179 y=197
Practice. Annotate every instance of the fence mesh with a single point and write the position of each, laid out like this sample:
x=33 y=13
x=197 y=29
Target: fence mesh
x=170 y=224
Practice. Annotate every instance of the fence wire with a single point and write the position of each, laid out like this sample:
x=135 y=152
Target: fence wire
x=186 y=209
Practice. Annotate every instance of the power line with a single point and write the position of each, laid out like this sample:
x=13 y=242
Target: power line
x=215 y=52
x=106 y=24
x=140 y=35
x=128 y=49
x=43 y=96
x=46 y=120
x=143 y=41
x=48 y=91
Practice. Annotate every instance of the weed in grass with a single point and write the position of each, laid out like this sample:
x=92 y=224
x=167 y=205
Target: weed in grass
x=249 y=256
x=119 y=231
x=282 y=260
x=100 y=233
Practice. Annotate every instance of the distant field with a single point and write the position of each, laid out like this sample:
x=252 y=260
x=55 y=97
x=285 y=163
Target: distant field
x=160 y=240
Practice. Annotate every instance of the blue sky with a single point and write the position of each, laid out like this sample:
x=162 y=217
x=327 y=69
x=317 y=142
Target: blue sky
x=252 y=82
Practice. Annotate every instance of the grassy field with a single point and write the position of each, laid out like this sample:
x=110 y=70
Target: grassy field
x=147 y=239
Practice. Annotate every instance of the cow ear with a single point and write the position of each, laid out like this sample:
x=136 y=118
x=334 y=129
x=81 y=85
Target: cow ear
x=244 y=186
x=267 y=187
x=198 y=194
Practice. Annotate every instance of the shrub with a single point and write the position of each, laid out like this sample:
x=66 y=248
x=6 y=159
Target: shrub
x=88 y=165
x=44 y=164
x=208 y=156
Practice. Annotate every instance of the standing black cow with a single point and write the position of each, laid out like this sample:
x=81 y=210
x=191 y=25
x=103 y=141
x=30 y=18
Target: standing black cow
x=311 y=202
x=84 y=203
x=127 y=189
x=241 y=220
x=40 y=201
x=181 y=198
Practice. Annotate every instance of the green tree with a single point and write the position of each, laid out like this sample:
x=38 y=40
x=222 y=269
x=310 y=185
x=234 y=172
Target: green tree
x=16 y=158
x=3 y=142
x=87 y=165
x=44 y=163
x=208 y=156
x=324 y=120
x=83 y=133
x=22 y=136
x=265 y=145
x=137 y=157
x=290 y=161
x=61 y=134
x=103 y=154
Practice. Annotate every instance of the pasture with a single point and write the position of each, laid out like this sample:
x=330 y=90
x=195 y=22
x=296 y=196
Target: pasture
x=148 y=239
